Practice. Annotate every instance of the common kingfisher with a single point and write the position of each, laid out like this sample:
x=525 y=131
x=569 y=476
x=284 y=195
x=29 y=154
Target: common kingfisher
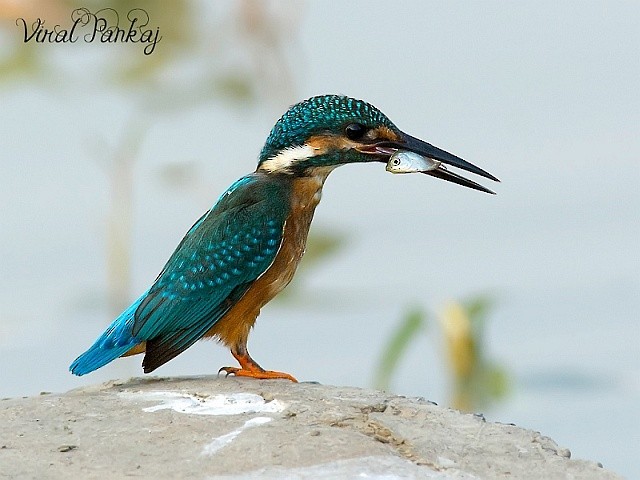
x=246 y=248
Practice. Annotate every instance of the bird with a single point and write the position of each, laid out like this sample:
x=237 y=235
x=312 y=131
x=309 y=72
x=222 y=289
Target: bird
x=243 y=251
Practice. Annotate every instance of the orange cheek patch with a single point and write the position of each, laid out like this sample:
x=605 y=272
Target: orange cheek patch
x=324 y=143
x=385 y=133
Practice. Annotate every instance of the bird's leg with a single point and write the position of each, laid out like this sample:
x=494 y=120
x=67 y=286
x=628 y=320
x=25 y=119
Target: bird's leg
x=250 y=368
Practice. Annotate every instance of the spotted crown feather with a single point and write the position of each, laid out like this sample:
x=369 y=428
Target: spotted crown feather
x=317 y=114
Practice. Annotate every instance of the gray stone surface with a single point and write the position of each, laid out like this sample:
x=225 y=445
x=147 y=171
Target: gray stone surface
x=215 y=427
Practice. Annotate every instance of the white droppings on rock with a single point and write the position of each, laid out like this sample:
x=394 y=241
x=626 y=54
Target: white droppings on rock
x=222 y=404
x=222 y=441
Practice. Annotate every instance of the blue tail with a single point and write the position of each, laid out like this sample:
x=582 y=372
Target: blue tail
x=113 y=343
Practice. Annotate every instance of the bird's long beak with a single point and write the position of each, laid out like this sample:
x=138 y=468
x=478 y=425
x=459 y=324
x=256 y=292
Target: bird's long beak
x=425 y=149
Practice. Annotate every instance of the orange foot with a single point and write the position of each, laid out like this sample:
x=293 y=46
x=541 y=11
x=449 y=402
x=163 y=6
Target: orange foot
x=249 y=368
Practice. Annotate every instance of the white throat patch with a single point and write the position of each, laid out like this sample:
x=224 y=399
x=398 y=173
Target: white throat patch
x=288 y=157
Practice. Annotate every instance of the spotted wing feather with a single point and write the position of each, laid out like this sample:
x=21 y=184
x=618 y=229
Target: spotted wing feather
x=212 y=268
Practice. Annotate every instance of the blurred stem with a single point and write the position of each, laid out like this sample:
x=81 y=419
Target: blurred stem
x=412 y=323
x=120 y=217
x=476 y=382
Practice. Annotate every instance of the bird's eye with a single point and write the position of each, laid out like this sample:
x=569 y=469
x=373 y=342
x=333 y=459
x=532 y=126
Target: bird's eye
x=355 y=131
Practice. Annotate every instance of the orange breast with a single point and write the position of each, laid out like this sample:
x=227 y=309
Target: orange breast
x=234 y=327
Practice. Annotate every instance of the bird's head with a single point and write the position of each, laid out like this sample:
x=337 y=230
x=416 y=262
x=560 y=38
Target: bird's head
x=331 y=130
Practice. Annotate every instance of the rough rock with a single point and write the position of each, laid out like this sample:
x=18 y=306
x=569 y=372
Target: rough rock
x=215 y=427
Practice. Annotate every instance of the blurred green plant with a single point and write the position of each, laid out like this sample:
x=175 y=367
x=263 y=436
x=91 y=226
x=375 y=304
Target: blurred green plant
x=412 y=324
x=321 y=244
x=236 y=52
x=208 y=52
x=476 y=382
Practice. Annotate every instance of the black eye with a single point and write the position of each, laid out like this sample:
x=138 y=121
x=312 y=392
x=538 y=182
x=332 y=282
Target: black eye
x=354 y=131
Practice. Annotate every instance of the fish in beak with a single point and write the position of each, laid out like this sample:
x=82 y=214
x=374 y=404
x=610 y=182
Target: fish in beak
x=439 y=170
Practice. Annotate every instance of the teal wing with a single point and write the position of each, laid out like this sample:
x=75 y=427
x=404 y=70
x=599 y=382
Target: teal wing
x=215 y=264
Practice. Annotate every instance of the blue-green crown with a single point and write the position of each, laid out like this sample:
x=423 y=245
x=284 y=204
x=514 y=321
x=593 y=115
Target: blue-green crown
x=325 y=113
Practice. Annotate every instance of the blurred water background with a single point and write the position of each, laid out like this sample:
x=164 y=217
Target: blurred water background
x=108 y=156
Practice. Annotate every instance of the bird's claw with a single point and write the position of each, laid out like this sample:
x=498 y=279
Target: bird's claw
x=228 y=370
x=255 y=373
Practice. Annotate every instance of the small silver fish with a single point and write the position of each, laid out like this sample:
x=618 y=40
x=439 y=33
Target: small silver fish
x=408 y=162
